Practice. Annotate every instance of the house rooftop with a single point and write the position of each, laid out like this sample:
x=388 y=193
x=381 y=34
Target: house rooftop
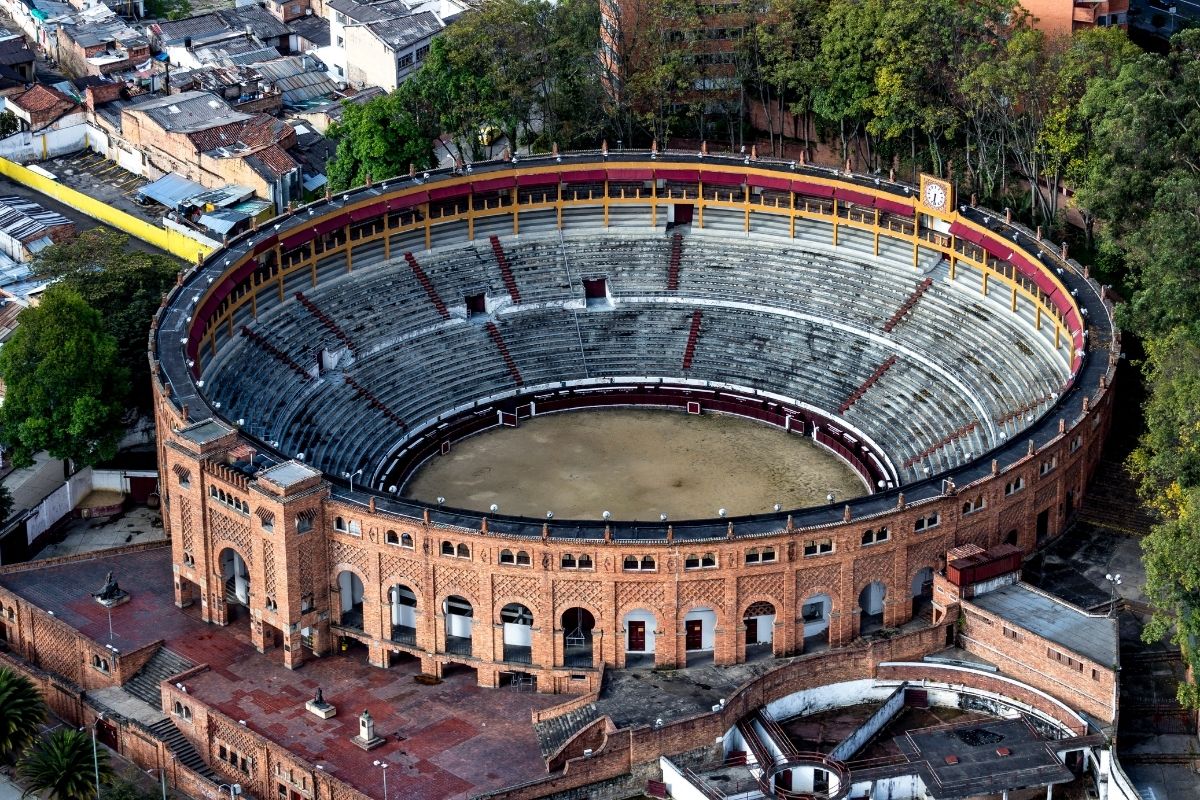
x=400 y=32
x=1089 y=635
x=188 y=112
x=41 y=99
x=26 y=221
x=15 y=50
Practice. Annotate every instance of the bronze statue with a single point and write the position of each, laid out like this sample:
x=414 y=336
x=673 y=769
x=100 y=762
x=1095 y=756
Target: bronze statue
x=111 y=589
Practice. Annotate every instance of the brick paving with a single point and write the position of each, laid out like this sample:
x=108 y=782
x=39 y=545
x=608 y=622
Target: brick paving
x=446 y=741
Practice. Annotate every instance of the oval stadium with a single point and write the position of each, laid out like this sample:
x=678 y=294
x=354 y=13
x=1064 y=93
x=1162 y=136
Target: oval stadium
x=948 y=370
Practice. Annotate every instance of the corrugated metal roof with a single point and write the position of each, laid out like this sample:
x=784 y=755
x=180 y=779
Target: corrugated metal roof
x=170 y=190
x=1094 y=637
x=27 y=221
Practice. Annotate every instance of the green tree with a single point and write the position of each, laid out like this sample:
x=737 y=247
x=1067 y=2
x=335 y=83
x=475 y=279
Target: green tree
x=125 y=286
x=66 y=383
x=381 y=138
x=22 y=710
x=62 y=766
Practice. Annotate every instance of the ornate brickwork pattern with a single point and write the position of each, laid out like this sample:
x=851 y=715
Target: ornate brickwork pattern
x=925 y=554
x=392 y=567
x=306 y=567
x=233 y=531
x=185 y=525
x=568 y=593
x=813 y=580
x=343 y=553
x=751 y=587
x=639 y=595
x=1046 y=494
x=56 y=648
x=447 y=580
x=710 y=592
x=525 y=587
x=877 y=567
x=269 y=567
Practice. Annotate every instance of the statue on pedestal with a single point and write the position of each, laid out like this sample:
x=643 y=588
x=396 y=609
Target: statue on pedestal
x=110 y=594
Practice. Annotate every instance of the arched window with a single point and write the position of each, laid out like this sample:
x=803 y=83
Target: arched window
x=708 y=560
x=464 y=551
x=506 y=557
x=585 y=561
x=631 y=563
x=406 y=540
x=768 y=554
x=178 y=708
x=568 y=561
x=522 y=558
x=447 y=549
x=339 y=524
x=691 y=561
x=392 y=537
x=648 y=563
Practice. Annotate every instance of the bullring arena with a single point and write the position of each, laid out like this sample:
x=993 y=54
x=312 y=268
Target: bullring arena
x=943 y=374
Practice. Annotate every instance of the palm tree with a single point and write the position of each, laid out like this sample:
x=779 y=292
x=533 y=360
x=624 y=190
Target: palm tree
x=61 y=766
x=22 y=710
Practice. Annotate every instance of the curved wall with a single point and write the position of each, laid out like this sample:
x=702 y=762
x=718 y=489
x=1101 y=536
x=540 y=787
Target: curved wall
x=298 y=534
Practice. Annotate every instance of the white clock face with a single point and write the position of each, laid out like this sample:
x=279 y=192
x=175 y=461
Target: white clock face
x=935 y=196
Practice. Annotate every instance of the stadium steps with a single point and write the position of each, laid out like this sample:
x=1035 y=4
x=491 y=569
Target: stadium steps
x=867 y=384
x=329 y=324
x=506 y=272
x=1016 y=414
x=164 y=664
x=276 y=353
x=374 y=402
x=907 y=305
x=1112 y=500
x=754 y=742
x=427 y=285
x=186 y=754
x=554 y=732
x=497 y=339
x=673 y=266
x=940 y=443
x=689 y=352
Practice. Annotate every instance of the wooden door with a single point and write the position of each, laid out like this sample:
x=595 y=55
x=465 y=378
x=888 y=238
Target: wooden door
x=637 y=637
x=752 y=630
x=693 y=634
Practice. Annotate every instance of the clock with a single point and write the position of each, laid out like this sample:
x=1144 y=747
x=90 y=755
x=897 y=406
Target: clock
x=935 y=193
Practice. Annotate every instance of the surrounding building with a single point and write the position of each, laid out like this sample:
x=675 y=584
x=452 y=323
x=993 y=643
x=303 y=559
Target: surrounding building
x=382 y=43
x=16 y=55
x=199 y=136
x=26 y=228
x=1063 y=17
x=100 y=46
x=41 y=107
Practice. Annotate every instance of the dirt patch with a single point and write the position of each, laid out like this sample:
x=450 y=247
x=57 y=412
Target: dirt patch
x=636 y=464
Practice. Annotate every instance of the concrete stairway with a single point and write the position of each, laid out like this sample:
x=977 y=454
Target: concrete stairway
x=162 y=665
x=185 y=753
x=554 y=732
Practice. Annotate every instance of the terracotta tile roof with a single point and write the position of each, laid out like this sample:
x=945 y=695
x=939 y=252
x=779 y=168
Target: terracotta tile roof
x=219 y=136
x=41 y=98
x=275 y=159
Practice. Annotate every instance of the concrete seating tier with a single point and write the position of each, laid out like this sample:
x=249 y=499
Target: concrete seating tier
x=799 y=318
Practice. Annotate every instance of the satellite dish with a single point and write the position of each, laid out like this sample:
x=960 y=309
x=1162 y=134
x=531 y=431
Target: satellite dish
x=494 y=508
x=778 y=507
x=441 y=500
x=722 y=512
x=606 y=514
x=662 y=517
x=549 y=515
x=392 y=489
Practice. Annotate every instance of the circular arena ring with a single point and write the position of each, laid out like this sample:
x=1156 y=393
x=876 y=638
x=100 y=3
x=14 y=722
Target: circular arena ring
x=960 y=366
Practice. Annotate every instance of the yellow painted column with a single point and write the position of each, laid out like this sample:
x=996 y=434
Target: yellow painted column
x=1037 y=316
x=349 y=266
x=428 y=232
x=985 y=283
x=516 y=207
x=1014 y=300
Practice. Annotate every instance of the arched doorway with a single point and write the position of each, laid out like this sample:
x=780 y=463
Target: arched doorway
x=922 y=591
x=870 y=604
x=577 y=626
x=518 y=633
x=814 y=614
x=759 y=621
x=639 y=626
x=458 y=613
x=350 y=588
x=699 y=634
x=236 y=580
x=404 y=614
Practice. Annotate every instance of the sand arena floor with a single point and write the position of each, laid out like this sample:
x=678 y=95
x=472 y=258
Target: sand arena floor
x=636 y=463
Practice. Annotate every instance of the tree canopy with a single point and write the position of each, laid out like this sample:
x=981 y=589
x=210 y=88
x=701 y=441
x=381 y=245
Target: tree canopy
x=66 y=384
x=124 y=286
